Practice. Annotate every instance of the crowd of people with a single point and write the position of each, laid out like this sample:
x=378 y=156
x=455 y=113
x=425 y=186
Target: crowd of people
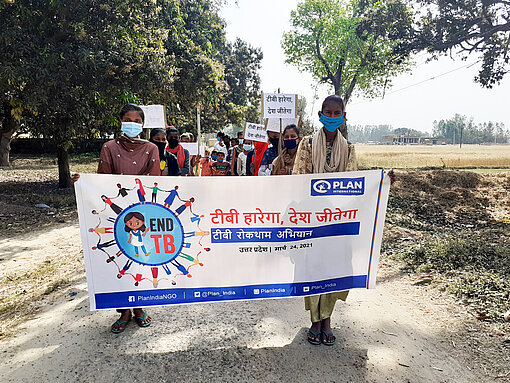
x=284 y=154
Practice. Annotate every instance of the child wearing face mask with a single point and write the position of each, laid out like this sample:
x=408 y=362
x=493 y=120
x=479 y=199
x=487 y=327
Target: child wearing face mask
x=205 y=164
x=220 y=167
x=242 y=157
x=284 y=163
x=175 y=148
x=158 y=138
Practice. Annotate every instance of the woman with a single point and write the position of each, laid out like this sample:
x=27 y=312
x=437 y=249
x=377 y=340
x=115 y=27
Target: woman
x=175 y=148
x=130 y=155
x=158 y=138
x=328 y=151
x=284 y=163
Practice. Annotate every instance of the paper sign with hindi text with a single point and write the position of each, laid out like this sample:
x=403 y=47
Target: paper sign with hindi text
x=279 y=105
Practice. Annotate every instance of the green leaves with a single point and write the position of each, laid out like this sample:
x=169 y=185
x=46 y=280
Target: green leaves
x=349 y=44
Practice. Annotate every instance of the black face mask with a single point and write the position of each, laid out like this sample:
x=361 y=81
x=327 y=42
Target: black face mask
x=161 y=148
x=172 y=143
x=274 y=142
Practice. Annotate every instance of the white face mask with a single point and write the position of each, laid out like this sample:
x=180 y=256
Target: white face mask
x=131 y=129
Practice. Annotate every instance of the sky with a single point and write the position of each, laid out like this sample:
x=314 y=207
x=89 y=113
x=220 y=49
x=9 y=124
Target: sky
x=262 y=23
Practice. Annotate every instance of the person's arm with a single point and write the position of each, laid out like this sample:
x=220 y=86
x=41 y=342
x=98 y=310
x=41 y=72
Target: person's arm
x=185 y=170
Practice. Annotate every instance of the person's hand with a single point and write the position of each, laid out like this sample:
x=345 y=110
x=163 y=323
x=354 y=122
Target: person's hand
x=391 y=174
x=75 y=177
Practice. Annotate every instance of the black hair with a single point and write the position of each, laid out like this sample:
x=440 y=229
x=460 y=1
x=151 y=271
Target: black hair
x=220 y=134
x=155 y=132
x=289 y=127
x=132 y=108
x=136 y=215
x=239 y=134
x=333 y=99
x=172 y=129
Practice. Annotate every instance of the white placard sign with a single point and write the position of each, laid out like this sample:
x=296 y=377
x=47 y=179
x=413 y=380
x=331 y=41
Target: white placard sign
x=169 y=240
x=273 y=124
x=255 y=132
x=279 y=105
x=154 y=116
x=191 y=147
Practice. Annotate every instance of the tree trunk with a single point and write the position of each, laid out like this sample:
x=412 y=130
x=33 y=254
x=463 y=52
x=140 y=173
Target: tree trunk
x=6 y=133
x=64 y=175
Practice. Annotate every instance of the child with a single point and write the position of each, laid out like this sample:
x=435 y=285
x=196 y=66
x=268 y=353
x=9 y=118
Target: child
x=128 y=154
x=242 y=157
x=175 y=148
x=135 y=226
x=284 y=163
x=327 y=151
x=205 y=164
x=221 y=167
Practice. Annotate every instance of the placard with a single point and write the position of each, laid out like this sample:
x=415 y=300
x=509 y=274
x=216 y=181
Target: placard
x=154 y=116
x=255 y=132
x=273 y=124
x=279 y=105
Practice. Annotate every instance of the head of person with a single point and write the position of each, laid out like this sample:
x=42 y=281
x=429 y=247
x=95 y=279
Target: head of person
x=158 y=138
x=185 y=137
x=291 y=137
x=207 y=153
x=134 y=221
x=234 y=142
x=240 y=137
x=247 y=145
x=332 y=114
x=191 y=137
x=221 y=156
x=214 y=155
x=220 y=136
x=274 y=138
x=226 y=140
x=131 y=119
x=172 y=137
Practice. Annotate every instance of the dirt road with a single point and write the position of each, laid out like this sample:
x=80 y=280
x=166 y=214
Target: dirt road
x=396 y=333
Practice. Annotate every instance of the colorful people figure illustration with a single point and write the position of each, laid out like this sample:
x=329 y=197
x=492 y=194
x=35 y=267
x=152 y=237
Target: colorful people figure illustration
x=183 y=207
x=141 y=190
x=125 y=268
x=108 y=201
x=101 y=230
x=155 y=190
x=101 y=246
x=171 y=197
x=135 y=226
x=123 y=191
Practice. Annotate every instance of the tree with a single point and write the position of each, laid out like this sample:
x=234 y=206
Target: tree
x=67 y=66
x=349 y=44
x=481 y=28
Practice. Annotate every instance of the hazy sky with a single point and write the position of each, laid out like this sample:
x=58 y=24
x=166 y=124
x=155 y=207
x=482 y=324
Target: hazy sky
x=262 y=24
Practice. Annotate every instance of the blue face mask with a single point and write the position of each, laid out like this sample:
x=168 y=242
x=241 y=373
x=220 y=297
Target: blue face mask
x=131 y=129
x=247 y=147
x=331 y=123
x=220 y=159
x=214 y=157
x=241 y=141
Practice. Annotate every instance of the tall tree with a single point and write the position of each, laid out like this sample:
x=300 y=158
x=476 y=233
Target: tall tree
x=467 y=27
x=68 y=65
x=349 y=44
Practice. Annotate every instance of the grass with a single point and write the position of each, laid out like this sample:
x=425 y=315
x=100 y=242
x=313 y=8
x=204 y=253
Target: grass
x=475 y=270
x=438 y=156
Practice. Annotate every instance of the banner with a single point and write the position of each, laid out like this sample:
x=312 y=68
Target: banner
x=279 y=105
x=173 y=240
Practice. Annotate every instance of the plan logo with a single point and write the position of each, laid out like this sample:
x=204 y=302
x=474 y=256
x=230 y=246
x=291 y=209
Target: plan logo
x=131 y=298
x=338 y=186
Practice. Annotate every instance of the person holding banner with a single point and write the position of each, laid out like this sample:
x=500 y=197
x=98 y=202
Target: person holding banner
x=130 y=155
x=266 y=165
x=284 y=163
x=326 y=152
x=175 y=148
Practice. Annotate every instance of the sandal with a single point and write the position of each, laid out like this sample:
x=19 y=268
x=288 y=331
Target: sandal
x=313 y=336
x=326 y=336
x=121 y=326
x=140 y=321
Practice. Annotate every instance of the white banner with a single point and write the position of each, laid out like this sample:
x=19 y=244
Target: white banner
x=154 y=116
x=255 y=132
x=273 y=124
x=279 y=105
x=173 y=240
